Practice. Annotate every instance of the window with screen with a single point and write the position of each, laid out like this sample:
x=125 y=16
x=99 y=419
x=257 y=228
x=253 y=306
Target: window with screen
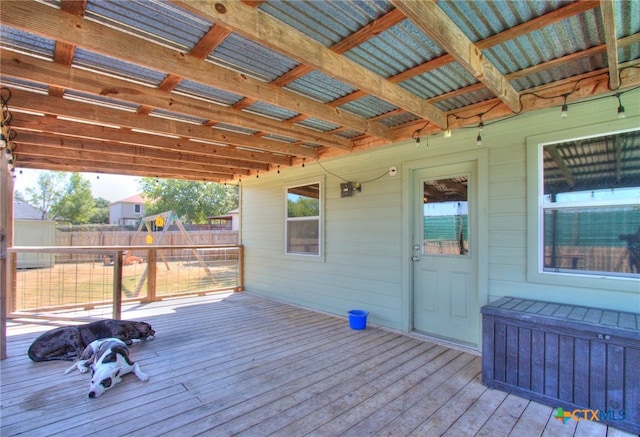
x=590 y=206
x=303 y=220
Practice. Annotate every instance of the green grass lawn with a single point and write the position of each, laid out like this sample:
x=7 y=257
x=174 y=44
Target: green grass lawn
x=92 y=282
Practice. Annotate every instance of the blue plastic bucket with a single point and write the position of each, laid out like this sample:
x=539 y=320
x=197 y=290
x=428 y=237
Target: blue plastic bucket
x=358 y=319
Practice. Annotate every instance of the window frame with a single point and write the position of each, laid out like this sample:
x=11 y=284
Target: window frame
x=535 y=210
x=319 y=218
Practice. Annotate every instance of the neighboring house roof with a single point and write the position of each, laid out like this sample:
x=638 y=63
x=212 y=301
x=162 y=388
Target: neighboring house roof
x=136 y=198
x=24 y=211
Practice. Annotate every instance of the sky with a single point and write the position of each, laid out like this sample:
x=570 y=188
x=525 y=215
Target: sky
x=106 y=186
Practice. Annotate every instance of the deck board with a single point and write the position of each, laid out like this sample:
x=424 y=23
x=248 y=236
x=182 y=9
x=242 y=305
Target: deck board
x=239 y=364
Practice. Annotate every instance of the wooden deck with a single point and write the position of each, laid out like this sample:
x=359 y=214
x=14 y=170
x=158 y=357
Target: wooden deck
x=238 y=364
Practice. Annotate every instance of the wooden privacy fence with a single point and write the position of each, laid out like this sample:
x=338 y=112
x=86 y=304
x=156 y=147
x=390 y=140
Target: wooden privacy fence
x=126 y=238
x=106 y=276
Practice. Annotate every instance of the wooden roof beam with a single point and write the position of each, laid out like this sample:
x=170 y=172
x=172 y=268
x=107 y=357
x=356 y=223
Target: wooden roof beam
x=164 y=172
x=77 y=152
x=29 y=16
x=272 y=33
x=103 y=145
x=428 y=16
x=38 y=70
x=97 y=114
x=611 y=38
x=360 y=36
x=229 y=155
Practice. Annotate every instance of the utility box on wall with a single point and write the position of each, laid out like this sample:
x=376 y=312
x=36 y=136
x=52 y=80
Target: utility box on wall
x=565 y=356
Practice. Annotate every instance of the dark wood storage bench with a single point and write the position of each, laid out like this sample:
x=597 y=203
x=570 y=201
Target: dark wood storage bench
x=567 y=356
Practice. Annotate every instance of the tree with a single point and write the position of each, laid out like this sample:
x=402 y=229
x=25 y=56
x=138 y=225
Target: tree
x=100 y=211
x=49 y=190
x=76 y=205
x=192 y=201
x=18 y=196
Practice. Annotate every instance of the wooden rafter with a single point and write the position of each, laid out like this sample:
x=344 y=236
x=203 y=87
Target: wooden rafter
x=37 y=70
x=610 y=35
x=362 y=35
x=29 y=16
x=85 y=111
x=562 y=166
x=68 y=143
x=429 y=17
x=209 y=149
x=259 y=26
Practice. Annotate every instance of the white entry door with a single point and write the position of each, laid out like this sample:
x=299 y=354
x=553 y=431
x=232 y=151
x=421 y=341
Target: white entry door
x=445 y=255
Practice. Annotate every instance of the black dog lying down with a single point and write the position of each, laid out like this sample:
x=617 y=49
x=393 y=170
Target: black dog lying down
x=68 y=342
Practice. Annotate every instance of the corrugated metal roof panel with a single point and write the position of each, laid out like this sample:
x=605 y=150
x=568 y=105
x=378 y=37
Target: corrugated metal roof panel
x=349 y=133
x=327 y=22
x=400 y=119
x=368 y=106
x=399 y=48
x=317 y=124
x=561 y=72
x=18 y=40
x=27 y=85
x=271 y=111
x=232 y=128
x=126 y=70
x=550 y=42
x=177 y=116
x=101 y=101
x=158 y=21
x=627 y=17
x=466 y=99
x=439 y=81
x=196 y=89
x=321 y=87
x=244 y=55
x=281 y=138
x=480 y=19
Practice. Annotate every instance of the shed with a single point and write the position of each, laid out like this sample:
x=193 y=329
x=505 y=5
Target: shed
x=31 y=230
x=227 y=222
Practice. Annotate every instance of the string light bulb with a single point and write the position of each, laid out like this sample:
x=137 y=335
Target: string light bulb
x=621 y=113
x=479 y=137
x=416 y=136
x=565 y=108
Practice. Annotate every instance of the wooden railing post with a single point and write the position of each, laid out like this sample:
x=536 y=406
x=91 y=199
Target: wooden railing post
x=152 y=275
x=117 y=284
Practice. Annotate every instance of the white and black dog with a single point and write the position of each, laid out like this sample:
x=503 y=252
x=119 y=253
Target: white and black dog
x=109 y=361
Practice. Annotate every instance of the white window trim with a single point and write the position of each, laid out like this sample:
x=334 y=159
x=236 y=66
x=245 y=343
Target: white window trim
x=320 y=254
x=535 y=192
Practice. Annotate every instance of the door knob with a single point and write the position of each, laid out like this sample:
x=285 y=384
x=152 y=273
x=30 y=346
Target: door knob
x=415 y=258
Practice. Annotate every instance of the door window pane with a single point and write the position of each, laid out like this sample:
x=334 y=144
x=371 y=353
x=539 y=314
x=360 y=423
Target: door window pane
x=446 y=216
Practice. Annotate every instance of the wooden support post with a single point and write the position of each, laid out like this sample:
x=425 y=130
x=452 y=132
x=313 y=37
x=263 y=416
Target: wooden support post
x=117 y=285
x=240 y=268
x=152 y=275
x=6 y=241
